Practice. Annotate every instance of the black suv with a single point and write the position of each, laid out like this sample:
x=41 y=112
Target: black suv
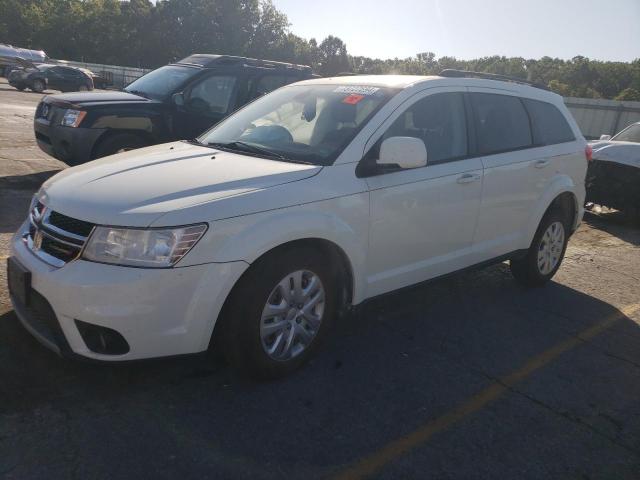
x=177 y=101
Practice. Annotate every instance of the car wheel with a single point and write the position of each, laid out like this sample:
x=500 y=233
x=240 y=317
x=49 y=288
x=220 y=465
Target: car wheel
x=20 y=87
x=278 y=313
x=38 y=86
x=83 y=88
x=119 y=143
x=546 y=252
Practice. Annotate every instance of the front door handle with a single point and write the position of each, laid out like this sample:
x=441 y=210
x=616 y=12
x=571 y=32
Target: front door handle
x=541 y=163
x=468 y=178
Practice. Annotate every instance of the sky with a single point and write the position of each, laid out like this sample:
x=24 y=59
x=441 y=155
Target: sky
x=466 y=29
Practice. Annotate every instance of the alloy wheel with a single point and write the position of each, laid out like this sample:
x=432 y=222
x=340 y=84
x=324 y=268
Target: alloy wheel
x=292 y=316
x=550 y=249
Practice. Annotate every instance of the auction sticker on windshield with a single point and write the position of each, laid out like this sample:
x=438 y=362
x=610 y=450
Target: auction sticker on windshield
x=356 y=90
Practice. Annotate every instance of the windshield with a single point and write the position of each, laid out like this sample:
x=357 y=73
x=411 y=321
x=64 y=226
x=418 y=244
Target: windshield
x=629 y=134
x=161 y=83
x=304 y=123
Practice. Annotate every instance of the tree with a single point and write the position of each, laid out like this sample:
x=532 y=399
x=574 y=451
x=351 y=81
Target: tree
x=149 y=34
x=333 y=56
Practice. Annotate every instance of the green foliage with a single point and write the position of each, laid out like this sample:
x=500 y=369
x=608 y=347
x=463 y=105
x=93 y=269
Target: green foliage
x=629 y=94
x=147 y=34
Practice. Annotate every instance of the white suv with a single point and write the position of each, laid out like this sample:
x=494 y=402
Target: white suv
x=306 y=202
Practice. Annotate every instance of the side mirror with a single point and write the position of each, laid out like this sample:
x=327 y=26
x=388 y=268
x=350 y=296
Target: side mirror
x=178 y=99
x=405 y=152
x=605 y=137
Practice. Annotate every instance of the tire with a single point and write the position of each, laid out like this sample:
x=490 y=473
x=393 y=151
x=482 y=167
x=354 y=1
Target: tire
x=38 y=86
x=544 y=257
x=83 y=88
x=20 y=87
x=255 y=333
x=120 y=142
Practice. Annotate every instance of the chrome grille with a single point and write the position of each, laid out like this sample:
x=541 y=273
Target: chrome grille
x=54 y=237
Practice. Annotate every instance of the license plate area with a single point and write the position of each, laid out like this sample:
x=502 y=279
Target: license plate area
x=19 y=280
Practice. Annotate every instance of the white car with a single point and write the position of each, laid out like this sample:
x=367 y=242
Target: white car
x=301 y=205
x=613 y=178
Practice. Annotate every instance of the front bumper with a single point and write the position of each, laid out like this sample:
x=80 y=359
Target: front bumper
x=70 y=145
x=159 y=312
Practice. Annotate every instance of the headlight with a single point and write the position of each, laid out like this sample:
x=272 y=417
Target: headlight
x=72 y=118
x=159 y=248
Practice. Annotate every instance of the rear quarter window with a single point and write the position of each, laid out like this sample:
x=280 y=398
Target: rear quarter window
x=549 y=124
x=501 y=122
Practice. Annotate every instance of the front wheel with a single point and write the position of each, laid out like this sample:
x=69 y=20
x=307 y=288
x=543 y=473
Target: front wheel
x=279 y=313
x=544 y=257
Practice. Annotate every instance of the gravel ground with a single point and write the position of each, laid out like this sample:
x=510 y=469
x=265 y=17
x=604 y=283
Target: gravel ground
x=467 y=377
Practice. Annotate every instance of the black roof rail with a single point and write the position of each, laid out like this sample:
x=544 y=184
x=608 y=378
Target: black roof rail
x=210 y=60
x=452 y=73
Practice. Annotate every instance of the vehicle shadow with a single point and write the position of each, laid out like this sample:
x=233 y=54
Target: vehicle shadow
x=407 y=358
x=31 y=92
x=615 y=223
x=15 y=196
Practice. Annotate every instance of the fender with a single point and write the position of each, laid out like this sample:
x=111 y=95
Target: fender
x=560 y=184
x=248 y=238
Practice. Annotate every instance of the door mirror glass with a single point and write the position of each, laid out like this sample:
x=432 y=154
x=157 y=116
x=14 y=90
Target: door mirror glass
x=178 y=99
x=405 y=152
x=605 y=137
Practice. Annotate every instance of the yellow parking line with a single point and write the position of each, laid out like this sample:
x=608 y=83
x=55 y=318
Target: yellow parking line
x=372 y=463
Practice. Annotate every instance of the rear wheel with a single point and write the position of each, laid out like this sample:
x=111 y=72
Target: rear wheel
x=544 y=257
x=38 y=86
x=83 y=88
x=119 y=143
x=278 y=314
x=20 y=87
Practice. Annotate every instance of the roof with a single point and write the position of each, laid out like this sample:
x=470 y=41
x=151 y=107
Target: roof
x=406 y=81
x=209 y=60
x=389 y=81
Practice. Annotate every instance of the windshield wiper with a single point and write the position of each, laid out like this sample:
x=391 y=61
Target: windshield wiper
x=241 y=146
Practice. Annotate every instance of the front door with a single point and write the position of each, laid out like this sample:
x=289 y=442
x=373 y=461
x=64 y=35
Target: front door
x=423 y=220
x=207 y=101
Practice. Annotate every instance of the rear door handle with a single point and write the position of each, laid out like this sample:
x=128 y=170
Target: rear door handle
x=541 y=163
x=468 y=178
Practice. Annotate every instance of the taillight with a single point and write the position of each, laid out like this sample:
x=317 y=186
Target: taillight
x=588 y=153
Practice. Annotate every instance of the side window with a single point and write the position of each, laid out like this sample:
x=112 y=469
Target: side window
x=268 y=83
x=549 y=125
x=501 y=122
x=211 y=96
x=439 y=121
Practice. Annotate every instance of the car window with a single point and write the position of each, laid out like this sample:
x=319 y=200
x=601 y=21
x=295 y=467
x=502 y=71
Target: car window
x=501 y=122
x=211 y=95
x=629 y=134
x=267 y=83
x=308 y=123
x=549 y=125
x=164 y=81
x=439 y=121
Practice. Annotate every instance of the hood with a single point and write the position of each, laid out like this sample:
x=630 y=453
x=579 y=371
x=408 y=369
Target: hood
x=135 y=188
x=625 y=153
x=97 y=98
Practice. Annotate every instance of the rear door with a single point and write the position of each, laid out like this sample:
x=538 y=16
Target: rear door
x=516 y=171
x=423 y=220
